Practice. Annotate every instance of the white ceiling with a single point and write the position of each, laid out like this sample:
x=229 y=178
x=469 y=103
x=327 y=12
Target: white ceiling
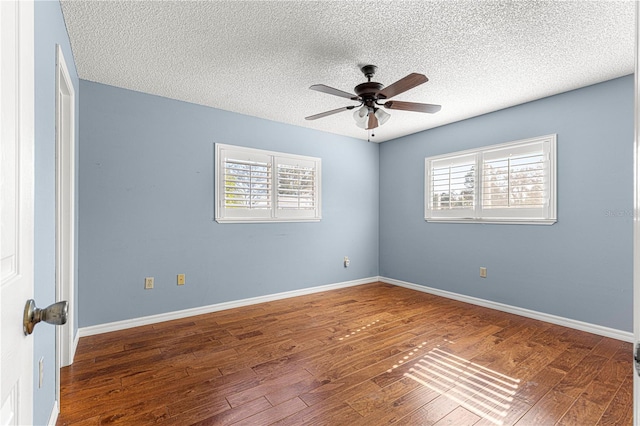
x=260 y=57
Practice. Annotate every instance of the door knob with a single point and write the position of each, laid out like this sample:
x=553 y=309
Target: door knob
x=55 y=314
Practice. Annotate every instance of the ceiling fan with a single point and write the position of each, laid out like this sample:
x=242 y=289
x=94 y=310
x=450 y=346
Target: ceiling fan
x=371 y=94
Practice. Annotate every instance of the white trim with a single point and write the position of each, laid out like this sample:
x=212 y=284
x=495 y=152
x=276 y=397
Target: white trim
x=499 y=146
x=53 y=417
x=65 y=202
x=636 y=218
x=185 y=313
x=236 y=220
x=541 y=316
x=510 y=221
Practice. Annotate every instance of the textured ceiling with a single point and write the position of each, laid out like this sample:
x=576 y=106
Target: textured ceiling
x=260 y=57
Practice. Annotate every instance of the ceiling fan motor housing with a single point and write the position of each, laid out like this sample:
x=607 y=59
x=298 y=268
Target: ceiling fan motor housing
x=368 y=92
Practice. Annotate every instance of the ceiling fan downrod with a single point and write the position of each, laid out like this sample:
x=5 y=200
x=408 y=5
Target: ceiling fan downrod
x=369 y=71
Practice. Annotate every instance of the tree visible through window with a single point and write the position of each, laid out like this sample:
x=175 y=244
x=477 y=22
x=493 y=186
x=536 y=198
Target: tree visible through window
x=453 y=187
x=296 y=187
x=247 y=185
x=515 y=182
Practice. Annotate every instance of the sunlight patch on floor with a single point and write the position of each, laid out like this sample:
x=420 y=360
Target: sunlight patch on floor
x=358 y=330
x=482 y=391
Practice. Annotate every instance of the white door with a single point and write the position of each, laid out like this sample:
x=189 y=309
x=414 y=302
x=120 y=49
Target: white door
x=16 y=209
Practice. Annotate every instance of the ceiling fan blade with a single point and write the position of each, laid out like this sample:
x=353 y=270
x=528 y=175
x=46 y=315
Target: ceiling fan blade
x=332 y=91
x=402 y=85
x=326 y=113
x=373 y=121
x=412 y=106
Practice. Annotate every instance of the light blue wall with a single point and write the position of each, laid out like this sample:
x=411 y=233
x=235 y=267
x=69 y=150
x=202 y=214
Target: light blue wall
x=578 y=268
x=146 y=192
x=49 y=31
x=146 y=209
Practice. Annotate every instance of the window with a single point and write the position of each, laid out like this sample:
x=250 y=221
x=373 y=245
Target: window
x=507 y=183
x=253 y=185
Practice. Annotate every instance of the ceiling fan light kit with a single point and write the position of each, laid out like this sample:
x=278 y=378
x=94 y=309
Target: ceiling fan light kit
x=368 y=115
x=382 y=116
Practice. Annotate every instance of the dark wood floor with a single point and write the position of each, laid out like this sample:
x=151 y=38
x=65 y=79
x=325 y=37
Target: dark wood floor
x=367 y=355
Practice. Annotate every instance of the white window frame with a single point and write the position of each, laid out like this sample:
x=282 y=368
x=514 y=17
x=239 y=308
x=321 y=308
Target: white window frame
x=268 y=209
x=473 y=211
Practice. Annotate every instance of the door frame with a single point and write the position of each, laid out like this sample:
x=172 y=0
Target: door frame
x=65 y=208
x=636 y=218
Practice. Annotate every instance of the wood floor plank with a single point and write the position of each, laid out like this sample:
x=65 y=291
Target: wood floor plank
x=372 y=402
x=273 y=414
x=431 y=412
x=459 y=417
x=341 y=414
x=548 y=410
x=361 y=356
x=580 y=412
x=267 y=386
x=140 y=413
x=579 y=377
x=335 y=403
x=394 y=411
x=620 y=410
x=570 y=358
x=532 y=390
x=517 y=409
x=231 y=416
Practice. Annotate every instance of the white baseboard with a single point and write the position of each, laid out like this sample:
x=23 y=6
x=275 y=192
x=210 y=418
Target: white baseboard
x=53 y=418
x=553 y=319
x=626 y=336
x=153 y=319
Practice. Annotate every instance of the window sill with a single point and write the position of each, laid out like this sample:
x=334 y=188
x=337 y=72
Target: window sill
x=509 y=221
x=262 y=220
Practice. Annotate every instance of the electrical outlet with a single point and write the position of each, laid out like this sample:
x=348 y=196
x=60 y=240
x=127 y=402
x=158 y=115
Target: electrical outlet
x=40 y=372
x=148 y=283
x=180 y=279
x=347 y=262
x=483 y=272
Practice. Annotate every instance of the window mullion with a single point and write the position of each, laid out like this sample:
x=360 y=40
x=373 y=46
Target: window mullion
x=450 y=190
x=479 y=182
x=509 y=181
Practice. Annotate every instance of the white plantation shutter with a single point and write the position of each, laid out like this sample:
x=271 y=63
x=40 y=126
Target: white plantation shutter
x=261 y=186
x=507 y=183
x=245 y=188
x=451 y=183
x=516 y=181
x=296 y=187
x=247 y=184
